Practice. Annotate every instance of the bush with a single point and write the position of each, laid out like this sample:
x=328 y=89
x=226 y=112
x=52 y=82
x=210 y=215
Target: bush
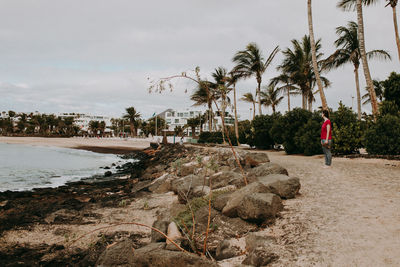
x=245 y=133
x=387 y=107
x=261 y=130
x=286 y=127
x=392 y=88
x=347 y=133
x=308 y=138
x=383 y=138
x=216 y=137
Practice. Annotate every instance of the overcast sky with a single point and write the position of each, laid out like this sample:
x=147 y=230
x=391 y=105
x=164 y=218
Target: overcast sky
x=95 y=56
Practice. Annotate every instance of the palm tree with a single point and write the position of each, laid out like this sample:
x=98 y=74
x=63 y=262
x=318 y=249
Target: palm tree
x=193 y=123
x=248 y=97
x=361 y=40
x=250 y=62
x=314 y=57
x=233 y=78
x=288 y=85
x=378 y=87
x=351 y=5
x=297 y=64
x=221 y=89
x=349 y=52
x=270 y=97
x=204 y=96
x=132 y=115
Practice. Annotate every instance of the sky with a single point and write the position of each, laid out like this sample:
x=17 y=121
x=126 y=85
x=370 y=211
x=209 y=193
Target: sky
x=97 y=56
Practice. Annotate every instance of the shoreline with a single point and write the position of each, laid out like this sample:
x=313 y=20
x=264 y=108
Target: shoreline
x=98 y=145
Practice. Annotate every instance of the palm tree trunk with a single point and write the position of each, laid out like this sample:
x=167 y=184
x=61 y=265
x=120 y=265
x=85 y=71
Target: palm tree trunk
x=222 y=115
x=254 y=110
x=358 y=92
x=259 y=96
x=288 y=99
x=236 y=118
x=314 y=57
x=367 y=73
x=210 y=116
x=396 y=30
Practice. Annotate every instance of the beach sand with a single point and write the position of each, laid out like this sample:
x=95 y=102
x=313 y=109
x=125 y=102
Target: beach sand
x=100 y=145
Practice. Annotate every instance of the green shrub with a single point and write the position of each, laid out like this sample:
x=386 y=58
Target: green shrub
x=287 y=127
x=216 y=137
x=261 y=130
x=347 y=131
x=383 y=137
x=245 y=132
x=392 y=88
x=308 y=137
x=387 y=107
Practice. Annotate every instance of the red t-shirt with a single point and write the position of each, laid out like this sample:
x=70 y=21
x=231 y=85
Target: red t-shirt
x=323 y=130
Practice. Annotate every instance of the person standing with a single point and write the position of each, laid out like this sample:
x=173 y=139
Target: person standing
x=326 y=138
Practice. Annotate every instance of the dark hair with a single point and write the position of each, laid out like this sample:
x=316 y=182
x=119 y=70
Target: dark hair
x=326 y=113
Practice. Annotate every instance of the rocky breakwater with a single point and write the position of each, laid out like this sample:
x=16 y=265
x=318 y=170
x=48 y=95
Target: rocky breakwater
x=216 y=214
x=193 y=202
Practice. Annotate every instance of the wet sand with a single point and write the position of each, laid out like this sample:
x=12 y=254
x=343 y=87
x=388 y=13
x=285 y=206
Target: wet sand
x=99 y=145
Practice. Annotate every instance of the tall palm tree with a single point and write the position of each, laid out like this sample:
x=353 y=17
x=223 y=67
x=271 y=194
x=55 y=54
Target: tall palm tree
x=204 y=96
x=361 y=40
x=233 y=78
x=270 y=97
x=288 y=86
x=250 y=62
x=297 y=64
x=248 y=97
x=349 y=52
x=132 y=115
x=314 y=57
x=351 y=5
x=221 y=89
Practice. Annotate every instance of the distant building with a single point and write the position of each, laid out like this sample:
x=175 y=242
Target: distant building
x=82 y=120
x=174 y=118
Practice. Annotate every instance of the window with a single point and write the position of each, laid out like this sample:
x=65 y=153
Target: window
x=176 y=120
x=168 y=120
x=168 y=114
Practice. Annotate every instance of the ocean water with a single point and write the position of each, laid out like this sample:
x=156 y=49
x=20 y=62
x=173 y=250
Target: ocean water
x=24 y=167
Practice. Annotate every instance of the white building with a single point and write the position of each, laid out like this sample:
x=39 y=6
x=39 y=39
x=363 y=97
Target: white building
x=82 y=120
x=174 y=118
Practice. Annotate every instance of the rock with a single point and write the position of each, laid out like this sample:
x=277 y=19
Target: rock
x=161 y=225
x=200 y=191
x=162 y=184
x=224 y=178
x=120 y=254
x=266 y=169
x=220 y=201
x=184 y=186
x=237 y=197
x=173 y=232
x=187 y=169
x=260 y=256
x=225 y=250
x=201 y=216
x=254 y=240
x=254 y=159
x=259 y=206
x=154 y=257
x=107 y=174
x=282 y=185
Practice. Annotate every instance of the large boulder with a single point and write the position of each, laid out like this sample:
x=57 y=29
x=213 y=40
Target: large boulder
x=226 y=250
x=266 y=169
x=224 y=178
x=260 y=256
x=254 y=240
x=237 y=197
x=162 y=184
x=161 y=225
x=187 y=169
x=259 y=207
x=254 y=159
x=156 y=257
x=220 y=201
x=184 y=186
x=282 y=185
x=120 y=254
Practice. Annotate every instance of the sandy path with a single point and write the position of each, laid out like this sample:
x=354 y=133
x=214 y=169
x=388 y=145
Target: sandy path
x=348 y=215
